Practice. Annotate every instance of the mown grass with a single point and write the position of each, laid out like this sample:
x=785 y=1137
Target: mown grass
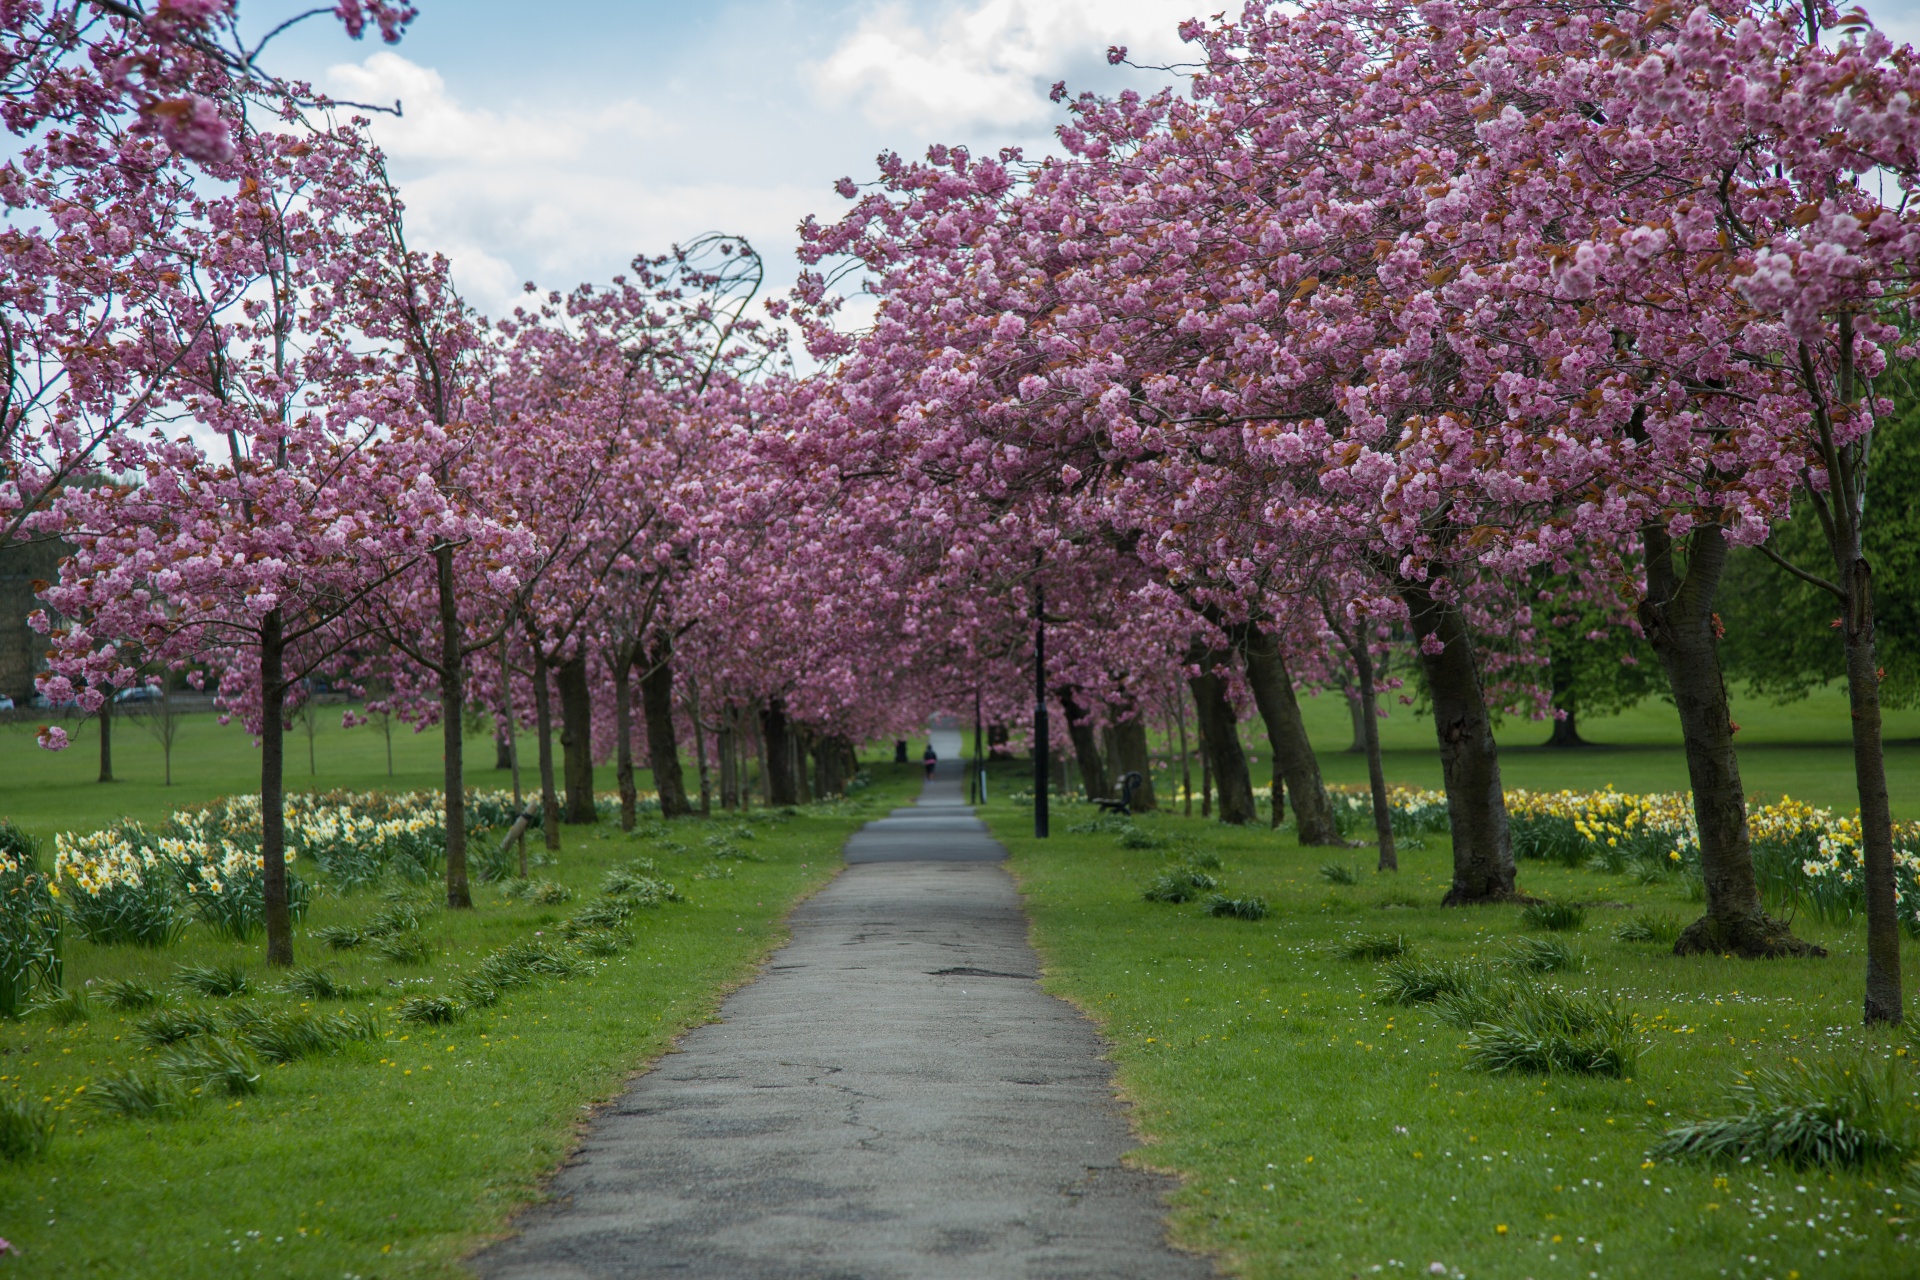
x=47 y=792
x=396 y=1156
x=1321 y=1131
x=1799 y=749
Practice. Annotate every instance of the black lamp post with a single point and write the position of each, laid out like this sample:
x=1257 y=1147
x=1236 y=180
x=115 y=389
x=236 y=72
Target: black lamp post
x=1042 y=769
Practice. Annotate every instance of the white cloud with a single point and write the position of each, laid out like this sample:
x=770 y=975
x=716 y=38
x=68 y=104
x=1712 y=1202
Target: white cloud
x=552 y=193
x=987 y=62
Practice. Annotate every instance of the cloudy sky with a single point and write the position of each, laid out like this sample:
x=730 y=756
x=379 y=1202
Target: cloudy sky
x=553 y=141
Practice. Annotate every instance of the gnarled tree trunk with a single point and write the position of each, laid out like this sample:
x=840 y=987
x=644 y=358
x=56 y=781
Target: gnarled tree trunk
x=1678 y=618
x=1469 y=761
x=1293 y=756
x=1220 y=736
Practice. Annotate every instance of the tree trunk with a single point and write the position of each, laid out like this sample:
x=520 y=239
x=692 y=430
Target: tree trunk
x=1476 y=806
x=576 y=737
x=511 y=736
x=1376 y=768
x=273 y=795
x=760 y=756
x=1359 y=744
x=543 y=724
x=729 y=777
x=1566 y=727
x=1677 y=616
x=776 y=739
x=663 y=749
x=1220 y=736
x=106 y=738
x=1130 y=737
x=1293 y=756
x=1206 y=774
x=700 y=749
x=802 y=739
x=453 y=706
x=1186 y=755
x=1884 y=1000
x=1085 y=749
x=1566 y=730
x=621 y=660
x=502 y=747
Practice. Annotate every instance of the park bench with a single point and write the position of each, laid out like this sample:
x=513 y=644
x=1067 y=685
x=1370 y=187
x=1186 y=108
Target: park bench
x=1129 y=783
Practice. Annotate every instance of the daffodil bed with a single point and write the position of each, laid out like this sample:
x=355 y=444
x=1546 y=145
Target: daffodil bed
x=414 y=1081
x=1320 y=1131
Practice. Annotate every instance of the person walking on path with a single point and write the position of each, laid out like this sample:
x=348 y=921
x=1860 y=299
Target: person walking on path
x=928 y=758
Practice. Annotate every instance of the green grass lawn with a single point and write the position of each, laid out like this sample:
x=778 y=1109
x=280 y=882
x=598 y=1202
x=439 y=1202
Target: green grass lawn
x=1800 y=749
x=396 y=1156
x=50 y=791
x=1320 y=1132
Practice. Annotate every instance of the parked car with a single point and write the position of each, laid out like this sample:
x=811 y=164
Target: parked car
x=138 y=693
x=6 y=703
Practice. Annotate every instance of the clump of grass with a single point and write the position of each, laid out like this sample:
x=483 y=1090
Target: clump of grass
x=602 y=942
x=429 y=1010
x=1399 y=902
x=130 y=995
x=1132 y=837
x=1179 y=884
x=1831 y=1116
x=290 y=1035
x=26 y=1128
x=1548 y=1031
x=1650 y=926
x=314 y=983
x=405 y=948
x=1482 y=1002
x=163 y=1027
x=1405 y=981
x=548 y=892
x=214 y=1064
x=341 y=937
x=1372 y=946
x=220 y=980
x=1555 y=917
x=1237 y=908
x=538 y=959
x=602 y=913
x=1339 y=873
x=713 y=871
x=1542 y=955
x=64 y=1008
x=478 y=990
x=637 y=885
x=136 y=1094
x=401 y=916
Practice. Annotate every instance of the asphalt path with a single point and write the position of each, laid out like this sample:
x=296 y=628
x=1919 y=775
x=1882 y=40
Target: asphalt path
x=894 y=1098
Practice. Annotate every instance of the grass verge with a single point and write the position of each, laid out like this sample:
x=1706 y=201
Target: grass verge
x=397 y=1154
x=1322 y=1130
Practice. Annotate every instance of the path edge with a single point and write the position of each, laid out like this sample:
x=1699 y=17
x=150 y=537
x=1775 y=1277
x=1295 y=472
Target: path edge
x=1116 y=1084
x=541 y=1192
